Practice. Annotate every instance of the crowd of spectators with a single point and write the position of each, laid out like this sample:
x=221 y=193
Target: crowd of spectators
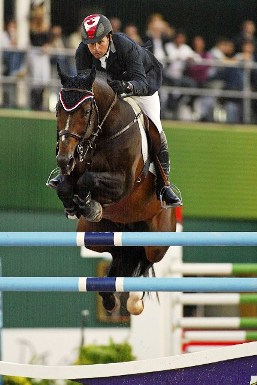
x=187 y=65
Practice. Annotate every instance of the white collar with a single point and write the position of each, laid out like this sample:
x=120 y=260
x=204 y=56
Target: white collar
x=104 y=58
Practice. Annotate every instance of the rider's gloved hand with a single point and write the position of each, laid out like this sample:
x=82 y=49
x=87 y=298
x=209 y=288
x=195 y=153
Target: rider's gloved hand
x=121 y=87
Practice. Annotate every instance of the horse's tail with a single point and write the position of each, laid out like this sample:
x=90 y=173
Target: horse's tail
x=130 y=262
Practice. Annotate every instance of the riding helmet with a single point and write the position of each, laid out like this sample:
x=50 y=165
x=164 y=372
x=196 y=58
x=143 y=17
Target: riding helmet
x=94 y=28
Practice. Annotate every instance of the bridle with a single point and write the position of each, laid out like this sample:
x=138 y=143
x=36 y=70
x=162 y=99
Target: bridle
x=89 y=144
x=84 y=145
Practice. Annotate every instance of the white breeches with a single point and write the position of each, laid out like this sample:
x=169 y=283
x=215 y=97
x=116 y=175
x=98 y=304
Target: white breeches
x=150 y=105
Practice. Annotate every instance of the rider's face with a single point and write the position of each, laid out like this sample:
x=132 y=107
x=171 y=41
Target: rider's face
x=100 y=48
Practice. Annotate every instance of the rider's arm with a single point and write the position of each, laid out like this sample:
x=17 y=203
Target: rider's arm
x=131 y=57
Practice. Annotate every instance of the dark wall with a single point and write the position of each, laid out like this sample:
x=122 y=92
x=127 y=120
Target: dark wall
x=210 y=18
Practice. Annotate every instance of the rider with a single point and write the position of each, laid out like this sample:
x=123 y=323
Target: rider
x=131 y=71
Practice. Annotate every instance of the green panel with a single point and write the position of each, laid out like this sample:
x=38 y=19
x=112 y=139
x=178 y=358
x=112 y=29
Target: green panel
x=244 y=269
x=221 y=253
x=248 y=298
x=27 y=156
x=248 y=323
x=45 y=309
x=215 y=167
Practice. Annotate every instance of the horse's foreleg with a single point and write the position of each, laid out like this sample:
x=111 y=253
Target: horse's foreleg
x=65 y=193
x=89 y=208
x=107 y=185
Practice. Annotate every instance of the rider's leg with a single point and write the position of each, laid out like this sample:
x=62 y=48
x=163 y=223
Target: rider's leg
x=150 y=105
x=165 y=192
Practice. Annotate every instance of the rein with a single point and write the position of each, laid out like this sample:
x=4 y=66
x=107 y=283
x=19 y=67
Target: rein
x=82 y=151
x=123 y=129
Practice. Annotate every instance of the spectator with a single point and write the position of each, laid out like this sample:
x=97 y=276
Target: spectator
x=167 y=31
x=227 y=77
x=179 y=56
x=156 y=35
x=131 y=31
x=116 y=24
x=200 y=73
x=246 y=55
x=74 y=38
x=220 y=52
x=73 y=42
x=39 y=59
x=248 y=29
x=13 y=61
x=234 y=81
x=57 y=42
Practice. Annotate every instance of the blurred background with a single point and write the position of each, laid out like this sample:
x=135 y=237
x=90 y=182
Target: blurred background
x=207 y=48
x=208 y=106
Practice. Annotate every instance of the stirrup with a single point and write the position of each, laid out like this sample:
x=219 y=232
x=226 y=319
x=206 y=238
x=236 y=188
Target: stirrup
x=176 y=191
x=52 y=175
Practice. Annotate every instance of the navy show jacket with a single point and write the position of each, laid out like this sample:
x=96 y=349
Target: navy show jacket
x=126 y=61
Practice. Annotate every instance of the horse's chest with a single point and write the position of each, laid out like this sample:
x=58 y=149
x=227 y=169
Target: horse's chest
x=112 y=159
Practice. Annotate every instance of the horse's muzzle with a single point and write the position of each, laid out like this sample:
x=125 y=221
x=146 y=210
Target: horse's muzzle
x=66 y=163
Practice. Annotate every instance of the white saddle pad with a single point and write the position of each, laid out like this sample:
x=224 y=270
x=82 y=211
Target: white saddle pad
x=144 y=147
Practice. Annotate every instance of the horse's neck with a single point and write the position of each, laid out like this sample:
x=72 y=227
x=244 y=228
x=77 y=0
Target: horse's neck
x=113 y=111
x=108 y=105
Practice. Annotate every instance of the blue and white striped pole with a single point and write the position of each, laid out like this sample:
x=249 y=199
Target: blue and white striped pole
x=128 y=239
x=127 y=284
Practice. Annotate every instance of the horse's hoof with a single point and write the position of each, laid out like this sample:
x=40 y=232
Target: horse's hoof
x=93 y=212
x=111 y=304
x=135 y=303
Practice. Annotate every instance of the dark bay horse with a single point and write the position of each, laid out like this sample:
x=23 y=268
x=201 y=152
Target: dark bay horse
x=104 y=176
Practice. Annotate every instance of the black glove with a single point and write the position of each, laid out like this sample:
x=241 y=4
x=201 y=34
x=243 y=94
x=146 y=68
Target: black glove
x=121 y=87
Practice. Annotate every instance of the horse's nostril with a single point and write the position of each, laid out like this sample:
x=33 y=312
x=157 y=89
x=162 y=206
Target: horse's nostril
x=65 y=163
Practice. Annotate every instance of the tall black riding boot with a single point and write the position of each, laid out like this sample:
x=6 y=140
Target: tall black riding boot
x=164 y=190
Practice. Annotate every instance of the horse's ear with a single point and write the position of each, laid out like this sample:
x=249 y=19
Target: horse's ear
x=63 y=77
x=92 y=76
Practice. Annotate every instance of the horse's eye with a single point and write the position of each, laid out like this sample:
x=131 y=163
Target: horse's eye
x=87 y=112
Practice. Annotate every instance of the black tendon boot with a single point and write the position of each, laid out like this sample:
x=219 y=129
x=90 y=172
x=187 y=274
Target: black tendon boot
x=164 y=190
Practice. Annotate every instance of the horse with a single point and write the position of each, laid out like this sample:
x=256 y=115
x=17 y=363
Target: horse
x=105 y=177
